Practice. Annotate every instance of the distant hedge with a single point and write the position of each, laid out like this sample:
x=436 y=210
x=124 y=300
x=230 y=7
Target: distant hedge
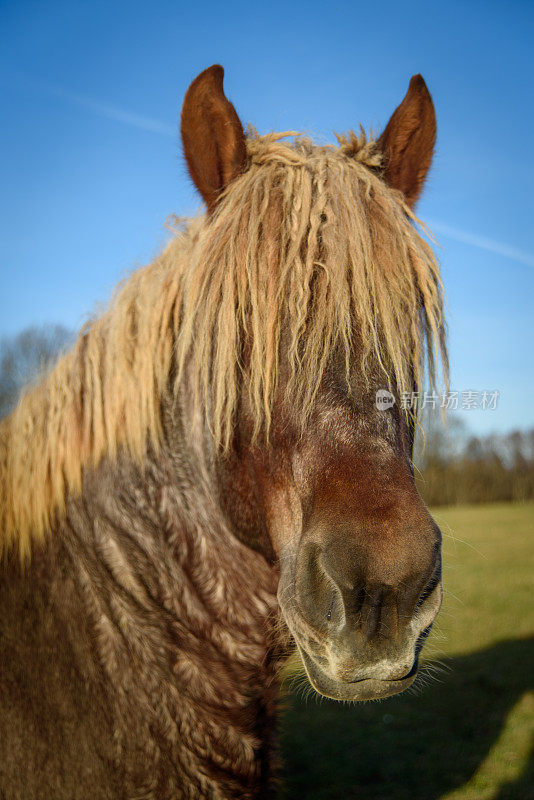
x=454 y=468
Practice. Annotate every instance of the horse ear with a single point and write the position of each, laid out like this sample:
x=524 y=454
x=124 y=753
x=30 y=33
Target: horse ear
x=212 y=136
x=408 y=141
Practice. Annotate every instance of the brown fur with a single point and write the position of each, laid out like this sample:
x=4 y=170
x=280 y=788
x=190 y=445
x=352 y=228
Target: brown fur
x=138 y=656
x=210 y=453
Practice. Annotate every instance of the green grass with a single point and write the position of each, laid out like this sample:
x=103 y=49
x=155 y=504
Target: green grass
x=466 y=732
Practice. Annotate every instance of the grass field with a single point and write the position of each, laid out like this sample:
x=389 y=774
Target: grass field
x=465 y=732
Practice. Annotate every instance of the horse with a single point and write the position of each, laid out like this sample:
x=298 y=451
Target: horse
x=207 y=479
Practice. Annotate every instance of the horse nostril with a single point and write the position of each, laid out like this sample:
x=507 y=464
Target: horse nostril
x=359 y=598
x=431 y=585
x=330 y=607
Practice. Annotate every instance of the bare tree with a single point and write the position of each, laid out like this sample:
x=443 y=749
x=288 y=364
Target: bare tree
x=27 y=356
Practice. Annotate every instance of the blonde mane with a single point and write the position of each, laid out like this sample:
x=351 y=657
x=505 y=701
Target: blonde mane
x=309 y=243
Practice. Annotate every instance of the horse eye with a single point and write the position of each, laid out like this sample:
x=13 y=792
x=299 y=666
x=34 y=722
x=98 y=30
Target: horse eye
x=323 y=217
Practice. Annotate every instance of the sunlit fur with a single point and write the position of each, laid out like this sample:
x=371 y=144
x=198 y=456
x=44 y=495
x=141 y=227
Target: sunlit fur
x=308 y=243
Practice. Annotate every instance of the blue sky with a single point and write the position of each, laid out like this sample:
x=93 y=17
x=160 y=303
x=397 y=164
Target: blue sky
x=91 y=164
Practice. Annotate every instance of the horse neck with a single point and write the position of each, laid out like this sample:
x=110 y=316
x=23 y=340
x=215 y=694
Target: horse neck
x=158 y=534
x=181 y=610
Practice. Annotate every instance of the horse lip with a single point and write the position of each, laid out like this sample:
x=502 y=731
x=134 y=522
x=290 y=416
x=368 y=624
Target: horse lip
x=412 y=672
x=358 y=690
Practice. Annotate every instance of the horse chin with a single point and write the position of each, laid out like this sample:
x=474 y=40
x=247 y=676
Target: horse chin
x=365 y=689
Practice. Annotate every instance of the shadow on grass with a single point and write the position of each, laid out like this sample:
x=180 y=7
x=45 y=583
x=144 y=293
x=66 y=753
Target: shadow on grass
x=409 y=747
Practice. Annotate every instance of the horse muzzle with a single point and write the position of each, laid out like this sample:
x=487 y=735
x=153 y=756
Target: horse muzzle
x=359 y=629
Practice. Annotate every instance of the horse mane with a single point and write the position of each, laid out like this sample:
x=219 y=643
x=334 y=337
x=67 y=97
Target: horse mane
x=308 y=243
